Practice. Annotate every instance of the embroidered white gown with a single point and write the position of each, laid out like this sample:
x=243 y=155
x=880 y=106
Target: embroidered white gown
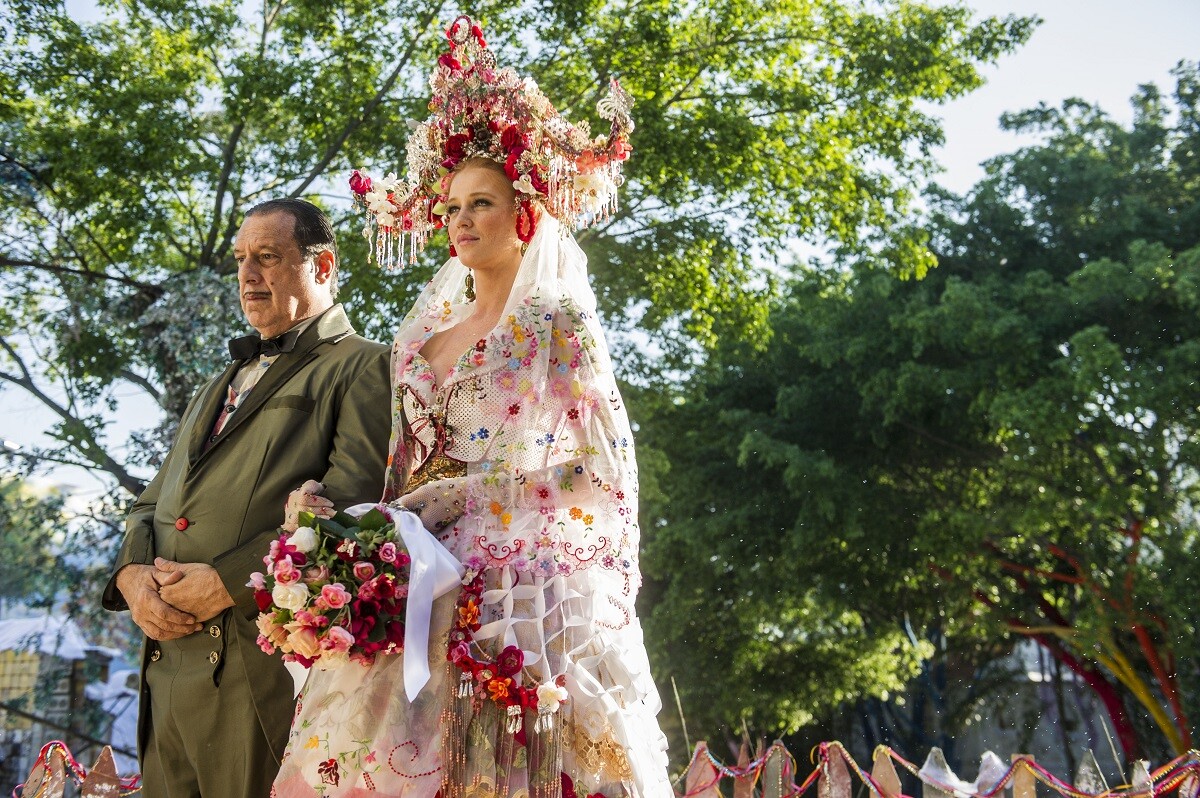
x=533 y=418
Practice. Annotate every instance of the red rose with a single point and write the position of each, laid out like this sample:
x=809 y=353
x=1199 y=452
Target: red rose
x=263 y=599
x=512 y=139
x=510 y=661
x=360 y=184
x=510 y=165
x=456 y=146
x=539 y=182
x=450 y=62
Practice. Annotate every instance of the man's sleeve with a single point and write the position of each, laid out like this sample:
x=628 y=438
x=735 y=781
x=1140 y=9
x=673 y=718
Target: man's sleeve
x=138 y=546
x=355 y=472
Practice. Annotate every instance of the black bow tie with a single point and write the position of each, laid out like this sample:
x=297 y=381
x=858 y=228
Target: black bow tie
x=253 y=346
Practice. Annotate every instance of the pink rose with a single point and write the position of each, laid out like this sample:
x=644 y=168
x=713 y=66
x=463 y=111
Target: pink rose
x=335 y=596
x=363 y=571
x=387 y=552
x=285 y=572
x=458 y=652
x=257 y=581
x=319 y=573
x=337 y=640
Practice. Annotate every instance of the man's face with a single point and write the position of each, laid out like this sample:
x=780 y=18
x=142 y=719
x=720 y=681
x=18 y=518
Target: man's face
x=277 y=286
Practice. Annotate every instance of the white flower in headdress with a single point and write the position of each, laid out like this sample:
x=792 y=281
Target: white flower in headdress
x=593 y=189
x=524 y=185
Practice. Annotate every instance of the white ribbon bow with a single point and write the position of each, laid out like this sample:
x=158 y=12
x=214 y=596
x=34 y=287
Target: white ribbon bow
x=433 y=572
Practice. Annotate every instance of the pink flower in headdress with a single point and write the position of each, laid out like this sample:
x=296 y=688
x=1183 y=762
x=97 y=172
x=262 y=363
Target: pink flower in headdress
x=360 y=184
x=621 y=149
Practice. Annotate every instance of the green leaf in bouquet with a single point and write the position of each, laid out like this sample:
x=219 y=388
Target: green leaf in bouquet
x=373 y=520
x=345 y=520
x=307 y=519
x=335 y=525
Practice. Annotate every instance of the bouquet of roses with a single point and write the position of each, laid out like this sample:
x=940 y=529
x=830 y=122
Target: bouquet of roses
x=334 y=590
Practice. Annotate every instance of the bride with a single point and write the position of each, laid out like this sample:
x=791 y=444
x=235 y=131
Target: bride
x=511 y=443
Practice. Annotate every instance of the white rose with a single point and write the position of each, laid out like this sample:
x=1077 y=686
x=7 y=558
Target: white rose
x=292 y=597
x=304 y=538
x=550 y=696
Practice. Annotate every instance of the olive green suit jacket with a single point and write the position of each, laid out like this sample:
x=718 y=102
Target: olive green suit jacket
x=319 y=412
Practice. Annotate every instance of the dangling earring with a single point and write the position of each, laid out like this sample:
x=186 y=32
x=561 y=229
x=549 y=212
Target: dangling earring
x=453 y=253
x=469 y=292
x=524 y=247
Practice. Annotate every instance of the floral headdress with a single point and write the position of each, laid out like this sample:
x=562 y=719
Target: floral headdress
x=480 y=110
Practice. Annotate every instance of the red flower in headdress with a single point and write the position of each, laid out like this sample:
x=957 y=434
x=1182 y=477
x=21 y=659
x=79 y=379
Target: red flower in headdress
x=360 y=184
x=512 y=140
x=456 y=146
x=510 y=166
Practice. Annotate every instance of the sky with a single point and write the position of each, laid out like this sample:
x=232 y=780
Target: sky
x=1096 y=50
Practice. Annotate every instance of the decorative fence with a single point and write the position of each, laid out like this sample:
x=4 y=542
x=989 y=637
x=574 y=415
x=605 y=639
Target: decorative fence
x=771 y=775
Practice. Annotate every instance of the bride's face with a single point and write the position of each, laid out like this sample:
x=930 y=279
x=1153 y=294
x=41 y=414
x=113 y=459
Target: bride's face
x=481 y=219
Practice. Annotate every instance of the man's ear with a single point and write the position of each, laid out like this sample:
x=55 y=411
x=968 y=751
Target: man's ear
x=325 y=262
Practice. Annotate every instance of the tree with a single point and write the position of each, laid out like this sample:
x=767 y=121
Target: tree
x=131 y=146
x=1006 y=446
x=32 y=569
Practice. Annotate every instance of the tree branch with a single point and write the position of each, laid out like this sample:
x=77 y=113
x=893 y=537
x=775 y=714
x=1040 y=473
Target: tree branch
x=230 y=150
x=336 y=145
x=88 y=446
x=19 y=263
x=143 y=383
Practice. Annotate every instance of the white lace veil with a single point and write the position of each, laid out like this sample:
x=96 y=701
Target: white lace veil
x=552 y=264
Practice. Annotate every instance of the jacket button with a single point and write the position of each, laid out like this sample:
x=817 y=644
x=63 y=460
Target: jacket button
x=155 y=655
x=181 y=524
x=214 y=630
x=214 y=658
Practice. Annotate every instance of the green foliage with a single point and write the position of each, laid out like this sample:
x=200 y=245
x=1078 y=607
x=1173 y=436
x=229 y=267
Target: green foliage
x=130 y=147
x=30 y=527
x=1008 y=444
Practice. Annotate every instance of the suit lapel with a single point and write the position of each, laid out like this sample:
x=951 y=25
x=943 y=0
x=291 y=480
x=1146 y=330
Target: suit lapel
x=206 y=413
x=277 y=375
x=332 y=326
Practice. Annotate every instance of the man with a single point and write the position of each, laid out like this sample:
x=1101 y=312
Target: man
x=312 y=404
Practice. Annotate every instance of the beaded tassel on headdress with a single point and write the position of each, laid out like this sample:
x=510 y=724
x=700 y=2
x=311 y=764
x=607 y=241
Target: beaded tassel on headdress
x=480 y=110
